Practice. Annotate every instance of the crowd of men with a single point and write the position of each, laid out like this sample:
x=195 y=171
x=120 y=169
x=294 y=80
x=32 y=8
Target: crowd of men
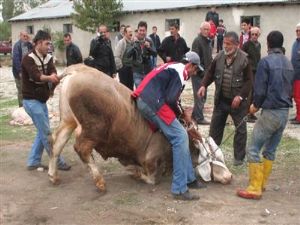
x=244 y=84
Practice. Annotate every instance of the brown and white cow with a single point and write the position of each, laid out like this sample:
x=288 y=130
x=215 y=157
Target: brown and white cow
x=105 y=118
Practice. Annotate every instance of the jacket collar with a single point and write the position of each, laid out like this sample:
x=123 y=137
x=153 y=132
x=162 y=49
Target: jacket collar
x=275 y=50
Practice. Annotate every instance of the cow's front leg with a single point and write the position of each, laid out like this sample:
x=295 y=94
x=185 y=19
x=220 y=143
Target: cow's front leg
x=57 y=143
x=84 y=149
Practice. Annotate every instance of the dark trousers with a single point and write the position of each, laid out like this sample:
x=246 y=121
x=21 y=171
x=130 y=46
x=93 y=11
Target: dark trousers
x=126 y=77
x=219 y=43
x=198 y=101
x=218 y=122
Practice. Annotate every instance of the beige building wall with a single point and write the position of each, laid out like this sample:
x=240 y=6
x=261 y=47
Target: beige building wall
x=280 y=17
x=80 y=38
x=273 y=17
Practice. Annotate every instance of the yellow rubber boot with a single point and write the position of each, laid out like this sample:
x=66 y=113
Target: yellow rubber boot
x=254 y=190
x=267 y=168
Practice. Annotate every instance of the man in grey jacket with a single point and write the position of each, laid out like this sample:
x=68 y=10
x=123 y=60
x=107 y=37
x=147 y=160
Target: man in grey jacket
x=201 y=45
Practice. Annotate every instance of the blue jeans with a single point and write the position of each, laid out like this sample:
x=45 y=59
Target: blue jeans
x=137 y=78
x=183 y=172
x=38 y=112
x=267 y=132
x=153 y=61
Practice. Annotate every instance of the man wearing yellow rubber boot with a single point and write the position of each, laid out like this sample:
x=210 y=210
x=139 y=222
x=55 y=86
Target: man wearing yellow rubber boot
x=272 y=93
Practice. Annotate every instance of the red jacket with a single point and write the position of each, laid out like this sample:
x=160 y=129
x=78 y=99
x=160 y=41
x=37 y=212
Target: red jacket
x=213 y=30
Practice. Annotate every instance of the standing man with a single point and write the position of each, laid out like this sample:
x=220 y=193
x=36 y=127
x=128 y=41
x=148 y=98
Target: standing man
x=20 y=49
x=157 y=99
x=141 y=54
x=39 y=79
x=253 y=49
x=120 y=35
x=201 y=45
x=232 y=74
x=245 y=34
x=156 y=43
x=272 y=93
x=174 y=47
x=102 y=53
x=296 y=64
x=123 y=61
x=221 y=30
x=212 y=15
x=73 y=54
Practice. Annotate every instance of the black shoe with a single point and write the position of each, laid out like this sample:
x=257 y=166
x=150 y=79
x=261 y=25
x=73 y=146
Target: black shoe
x=186 y=196
x=196 y=184
x=203 y=122
x=36 y=167
x=238 y=162
x=296 y=122
x=64 y=167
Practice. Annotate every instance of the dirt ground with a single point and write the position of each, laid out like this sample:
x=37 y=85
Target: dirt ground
x=27 y=197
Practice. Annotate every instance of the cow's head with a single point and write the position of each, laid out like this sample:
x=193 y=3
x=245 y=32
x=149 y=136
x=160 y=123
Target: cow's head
x=207 y=157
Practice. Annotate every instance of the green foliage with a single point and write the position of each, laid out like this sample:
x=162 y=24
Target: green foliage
x=7 y=9
x=58 y=40
x=5 y=31
x=89 y=14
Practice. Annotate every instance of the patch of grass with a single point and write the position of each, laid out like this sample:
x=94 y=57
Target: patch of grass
x=15 y=133
x=6 y=104
x=126 y=199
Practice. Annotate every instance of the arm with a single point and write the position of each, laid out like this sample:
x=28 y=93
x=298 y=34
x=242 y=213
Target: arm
x=209 y=75
x=162 y=50
x=78 y=56
x=261 y=84
x=152 y=49
x=17 y=57
x=119 y=52
x=248 y=78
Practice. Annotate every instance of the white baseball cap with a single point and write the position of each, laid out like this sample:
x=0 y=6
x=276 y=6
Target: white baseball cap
x=193 y=58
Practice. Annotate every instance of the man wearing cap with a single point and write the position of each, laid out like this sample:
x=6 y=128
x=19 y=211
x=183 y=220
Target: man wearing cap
x=232 y=74
x=157 y=99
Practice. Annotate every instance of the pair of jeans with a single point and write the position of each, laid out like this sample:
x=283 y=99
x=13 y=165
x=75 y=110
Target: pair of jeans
x=153 y=61
x=38 y=112
x=267 y=132
x=218 y=122
x=198 y=101
x=138 y=78
x=183 y=172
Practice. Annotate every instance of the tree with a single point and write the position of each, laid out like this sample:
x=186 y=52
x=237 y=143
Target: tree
x=7 y=9
x=89 y=14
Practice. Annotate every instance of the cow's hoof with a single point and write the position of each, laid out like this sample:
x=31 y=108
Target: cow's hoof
x=55 y=180
x=101 y=186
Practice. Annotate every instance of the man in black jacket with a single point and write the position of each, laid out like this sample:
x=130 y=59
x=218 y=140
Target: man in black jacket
x=201 y=45
x=101 y=51
x=73 y=53
x=174 y=47
x=156 y=43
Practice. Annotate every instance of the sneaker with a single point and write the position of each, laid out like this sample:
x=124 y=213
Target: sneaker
x=186 y=196
x=296 y=122
x=238 y=162
x=196 y=184
x=64 y=167
x=203 y=122
x=36 y=167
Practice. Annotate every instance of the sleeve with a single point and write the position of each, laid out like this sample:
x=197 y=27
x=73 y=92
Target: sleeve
x=31 y=69
x=51 y=67
x=112 y=61
x=78 y=55
x=209 y=75
x=261 y=84
x=248 y=77
x=152 y=49
x=186 y=48
x=17 y=57
x=118 y=55
x=162 y=50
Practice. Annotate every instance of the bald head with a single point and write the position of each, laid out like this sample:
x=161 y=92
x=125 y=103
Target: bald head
x=204 y=29
x=24 y=36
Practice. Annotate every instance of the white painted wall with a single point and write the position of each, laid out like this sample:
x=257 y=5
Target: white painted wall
x=272 y=17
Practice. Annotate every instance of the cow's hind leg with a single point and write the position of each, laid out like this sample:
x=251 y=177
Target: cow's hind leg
x=59 y=139
x=84 y=149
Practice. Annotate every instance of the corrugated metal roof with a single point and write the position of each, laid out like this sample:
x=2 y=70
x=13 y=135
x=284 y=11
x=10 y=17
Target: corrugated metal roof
x=64 y=8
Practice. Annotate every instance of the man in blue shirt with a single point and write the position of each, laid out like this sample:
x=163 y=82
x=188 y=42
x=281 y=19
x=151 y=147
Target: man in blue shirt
x=273 y=94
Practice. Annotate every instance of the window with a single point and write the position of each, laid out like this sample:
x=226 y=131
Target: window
x=67 y=28
x=254 y=20
x=171 y=21
x=30 y=29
